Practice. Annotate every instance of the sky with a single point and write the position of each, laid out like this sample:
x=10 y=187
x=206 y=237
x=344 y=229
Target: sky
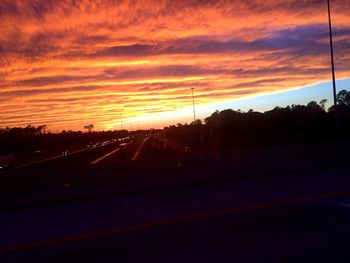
x=70 y=63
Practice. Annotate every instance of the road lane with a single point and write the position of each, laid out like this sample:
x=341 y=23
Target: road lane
x=83 y=156
x=176 y=220
x=159 y=210
x=105 y=157
x=61 y=156
x=276 y=200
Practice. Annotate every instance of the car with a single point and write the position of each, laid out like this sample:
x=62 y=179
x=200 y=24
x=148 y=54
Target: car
x=65 y=152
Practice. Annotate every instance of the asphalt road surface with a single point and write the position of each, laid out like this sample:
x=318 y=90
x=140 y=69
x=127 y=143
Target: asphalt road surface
x=261 y=205
x=300 y=217
x=138 y=148
x=106 y=153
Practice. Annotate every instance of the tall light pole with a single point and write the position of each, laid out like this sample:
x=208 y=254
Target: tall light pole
x=194 y=111
x=121 y=122
x=333 y=69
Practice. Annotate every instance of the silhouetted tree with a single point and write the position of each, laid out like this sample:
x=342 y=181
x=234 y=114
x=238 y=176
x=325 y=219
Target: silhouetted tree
x=323 y=104
x=295 y=123
x=343 y=98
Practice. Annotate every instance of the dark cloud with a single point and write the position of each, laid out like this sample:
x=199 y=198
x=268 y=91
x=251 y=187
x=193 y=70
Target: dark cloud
x=43 y=81
x=77 y=99
x=33 y=8
x=300 y=40
x=91 y=39
x=131 y=50
x=8 y=7
x=56 y=90
x=162 y=71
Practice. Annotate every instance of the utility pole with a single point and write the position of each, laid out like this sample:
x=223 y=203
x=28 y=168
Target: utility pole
x=121 y=122
x=194 y=111
x=333 y=68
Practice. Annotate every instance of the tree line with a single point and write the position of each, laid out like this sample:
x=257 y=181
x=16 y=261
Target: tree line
x=282 y=125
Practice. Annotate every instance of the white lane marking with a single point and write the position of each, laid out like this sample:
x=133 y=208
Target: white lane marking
x=60 y=156
x=110 y=153
x=136 y=155
x=105 y=156
x=336 y=203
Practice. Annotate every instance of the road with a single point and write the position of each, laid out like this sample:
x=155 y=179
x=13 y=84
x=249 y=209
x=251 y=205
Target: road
x=109 y=152
x=265 y=219
x=279 y=204
x=139 y=148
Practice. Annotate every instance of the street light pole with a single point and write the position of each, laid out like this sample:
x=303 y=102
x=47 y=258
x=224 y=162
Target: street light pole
x=333 y=68
x=121 y=122
x=194 y=111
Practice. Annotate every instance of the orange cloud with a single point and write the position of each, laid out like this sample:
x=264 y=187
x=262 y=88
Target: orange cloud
x=68 y=63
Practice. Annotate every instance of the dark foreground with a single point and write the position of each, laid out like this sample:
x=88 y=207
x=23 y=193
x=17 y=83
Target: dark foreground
x=251 y=206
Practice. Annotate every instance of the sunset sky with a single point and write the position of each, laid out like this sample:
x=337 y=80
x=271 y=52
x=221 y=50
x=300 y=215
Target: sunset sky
x=71 y=63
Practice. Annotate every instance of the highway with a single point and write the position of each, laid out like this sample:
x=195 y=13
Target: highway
x=140 y=148
x=101 y=154
x=255 y=205
x=267 y=219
